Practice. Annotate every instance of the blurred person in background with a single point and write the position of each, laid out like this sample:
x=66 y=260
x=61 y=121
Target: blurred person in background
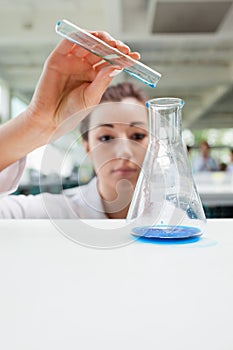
x=204 y=161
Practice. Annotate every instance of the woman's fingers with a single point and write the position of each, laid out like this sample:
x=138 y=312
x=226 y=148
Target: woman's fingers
x=135 y=55
x=66 y=48
x=118 y=44
x=95 y=90
x=105 y=37
x=94 y=59
x=122 y=47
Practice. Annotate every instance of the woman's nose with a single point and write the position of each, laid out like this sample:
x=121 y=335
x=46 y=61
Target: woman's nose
x=124 y=149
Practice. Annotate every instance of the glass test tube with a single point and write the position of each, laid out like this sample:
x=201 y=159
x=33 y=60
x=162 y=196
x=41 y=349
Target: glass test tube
x=98 y=47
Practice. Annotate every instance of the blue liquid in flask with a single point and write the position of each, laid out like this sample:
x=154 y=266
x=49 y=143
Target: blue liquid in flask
x=166 y=232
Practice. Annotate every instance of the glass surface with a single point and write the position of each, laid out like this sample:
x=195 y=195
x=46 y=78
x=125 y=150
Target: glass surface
x=165 y=202
x=100 y=48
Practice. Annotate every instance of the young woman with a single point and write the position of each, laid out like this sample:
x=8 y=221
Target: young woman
x=115 y=138
x=72 y=81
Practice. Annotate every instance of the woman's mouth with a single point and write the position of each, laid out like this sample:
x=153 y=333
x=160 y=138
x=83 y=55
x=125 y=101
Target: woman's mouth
x=124 y=171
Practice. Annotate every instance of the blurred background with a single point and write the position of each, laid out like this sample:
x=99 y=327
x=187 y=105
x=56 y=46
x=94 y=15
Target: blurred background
x=189 y=41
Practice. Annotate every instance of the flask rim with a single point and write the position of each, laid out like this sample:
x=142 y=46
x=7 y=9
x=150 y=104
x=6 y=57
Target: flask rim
x=165 y=102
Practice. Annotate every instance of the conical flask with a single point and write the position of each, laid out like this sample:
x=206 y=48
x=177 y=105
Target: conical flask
x=166 y=203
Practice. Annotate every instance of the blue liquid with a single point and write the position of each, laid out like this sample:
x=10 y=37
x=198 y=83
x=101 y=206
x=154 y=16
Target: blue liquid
x=141 y=78
x=166 y=231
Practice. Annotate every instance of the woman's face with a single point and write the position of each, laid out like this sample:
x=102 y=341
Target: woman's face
x=117 y=142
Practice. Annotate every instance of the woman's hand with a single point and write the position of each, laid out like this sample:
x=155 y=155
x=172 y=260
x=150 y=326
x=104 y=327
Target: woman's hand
x=73 y=80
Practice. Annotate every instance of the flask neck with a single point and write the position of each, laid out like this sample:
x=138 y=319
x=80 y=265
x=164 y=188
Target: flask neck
x=165 y=119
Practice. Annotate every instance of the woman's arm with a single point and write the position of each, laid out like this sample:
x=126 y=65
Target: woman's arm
x=73 y=80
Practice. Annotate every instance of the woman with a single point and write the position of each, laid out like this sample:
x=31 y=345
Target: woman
x=115 y=138
x=72 y=80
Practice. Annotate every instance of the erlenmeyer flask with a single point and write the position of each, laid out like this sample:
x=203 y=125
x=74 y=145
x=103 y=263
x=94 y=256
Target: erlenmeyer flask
x=166 y=203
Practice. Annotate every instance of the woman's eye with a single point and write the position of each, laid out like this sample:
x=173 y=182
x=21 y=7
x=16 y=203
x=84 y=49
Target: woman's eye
x=105 y=138
x=138 y=136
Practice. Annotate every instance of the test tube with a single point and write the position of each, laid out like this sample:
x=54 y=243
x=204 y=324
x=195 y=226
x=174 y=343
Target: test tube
x=110 y=54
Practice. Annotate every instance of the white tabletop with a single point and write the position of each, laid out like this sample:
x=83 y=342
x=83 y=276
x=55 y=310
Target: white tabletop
x=57 y=294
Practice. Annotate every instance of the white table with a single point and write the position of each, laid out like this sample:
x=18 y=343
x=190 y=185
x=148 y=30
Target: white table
x=56 y=294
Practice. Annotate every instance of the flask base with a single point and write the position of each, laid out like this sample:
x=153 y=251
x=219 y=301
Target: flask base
x=166 y=231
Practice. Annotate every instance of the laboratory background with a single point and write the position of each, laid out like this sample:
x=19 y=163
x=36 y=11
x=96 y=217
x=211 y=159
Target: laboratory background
x=190 y=42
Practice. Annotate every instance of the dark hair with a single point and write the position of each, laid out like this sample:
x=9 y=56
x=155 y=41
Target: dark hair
x=114 y=94
x=204 y=143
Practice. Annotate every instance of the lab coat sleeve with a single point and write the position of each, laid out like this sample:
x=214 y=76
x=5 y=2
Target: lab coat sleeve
x=41 y=206
x=10 y=177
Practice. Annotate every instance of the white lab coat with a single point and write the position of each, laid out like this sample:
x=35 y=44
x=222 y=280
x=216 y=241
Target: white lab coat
x=81 y=202
x=10 y=177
